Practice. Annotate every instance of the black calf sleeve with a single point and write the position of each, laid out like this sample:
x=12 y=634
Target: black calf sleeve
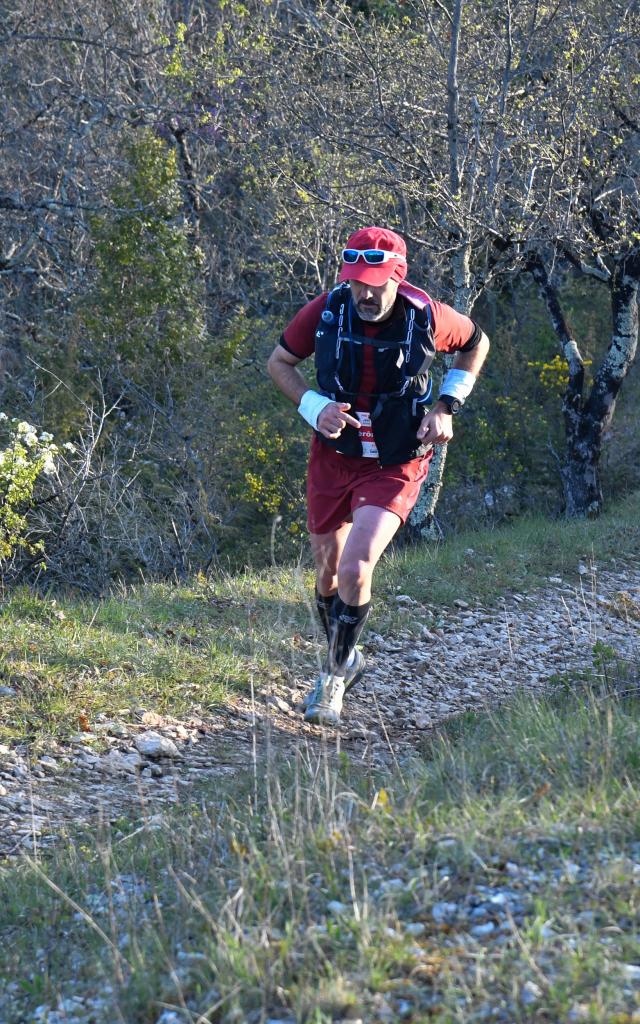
x=325 y=608
x=346 y=626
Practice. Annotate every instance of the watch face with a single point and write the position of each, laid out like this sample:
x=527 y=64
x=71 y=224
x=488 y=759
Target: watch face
x=453 y=404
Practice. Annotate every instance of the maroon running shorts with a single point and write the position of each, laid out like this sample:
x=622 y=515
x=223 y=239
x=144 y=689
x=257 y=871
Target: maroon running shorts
x=337 y=485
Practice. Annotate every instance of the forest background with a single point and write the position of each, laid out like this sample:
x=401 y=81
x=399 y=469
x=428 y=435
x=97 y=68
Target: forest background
x=177 y=178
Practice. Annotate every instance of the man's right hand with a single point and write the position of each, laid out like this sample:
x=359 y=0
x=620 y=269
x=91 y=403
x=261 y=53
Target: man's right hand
x=334 y=418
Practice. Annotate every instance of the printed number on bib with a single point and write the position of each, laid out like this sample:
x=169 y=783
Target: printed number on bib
x=369 y=449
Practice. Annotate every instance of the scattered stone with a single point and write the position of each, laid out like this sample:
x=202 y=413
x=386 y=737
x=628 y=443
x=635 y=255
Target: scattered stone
x=393 y=885
x=277 y=702
x=444 y=912
x=530 y=993
x=153 y=720
x=8 y=691
x=480 y=931
x=585 y=917
x=154 y=744
x=579 y=1012
x=117 y=761
x=414 y=928
x=112 y=729
x=462 y=605
x=631 y=972
x=336 y=908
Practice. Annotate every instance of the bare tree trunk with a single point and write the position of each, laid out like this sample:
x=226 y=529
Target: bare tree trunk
x=587 y=420
x=422 y=524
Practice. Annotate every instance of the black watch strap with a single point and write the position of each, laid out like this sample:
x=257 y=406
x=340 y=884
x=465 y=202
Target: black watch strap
x=454 y=405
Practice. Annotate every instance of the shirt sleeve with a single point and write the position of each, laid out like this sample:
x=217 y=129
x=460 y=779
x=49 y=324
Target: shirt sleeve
x=299 y=336
x=452 y=330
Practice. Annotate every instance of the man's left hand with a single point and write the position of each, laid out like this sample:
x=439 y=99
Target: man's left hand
x=437 y=425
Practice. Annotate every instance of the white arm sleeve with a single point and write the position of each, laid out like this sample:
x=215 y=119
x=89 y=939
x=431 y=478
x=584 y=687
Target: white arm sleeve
x=458 y=384
x=311 y=405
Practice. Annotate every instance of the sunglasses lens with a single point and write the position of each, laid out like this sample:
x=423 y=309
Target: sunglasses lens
x=350 y=255
x=374 y=256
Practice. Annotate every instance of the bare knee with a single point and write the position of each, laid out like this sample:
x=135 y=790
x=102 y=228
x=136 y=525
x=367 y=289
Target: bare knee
x=354 y=579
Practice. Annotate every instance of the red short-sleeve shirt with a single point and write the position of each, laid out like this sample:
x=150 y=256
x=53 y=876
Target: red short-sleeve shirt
x=452 y=331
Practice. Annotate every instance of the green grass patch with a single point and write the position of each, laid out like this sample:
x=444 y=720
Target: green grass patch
x=175 y=649
x=482 y=565
x=496 y=878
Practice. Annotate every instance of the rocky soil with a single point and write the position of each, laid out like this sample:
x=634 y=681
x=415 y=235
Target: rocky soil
x=461 y=660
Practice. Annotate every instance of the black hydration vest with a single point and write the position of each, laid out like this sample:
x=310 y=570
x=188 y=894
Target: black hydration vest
x=403 y=352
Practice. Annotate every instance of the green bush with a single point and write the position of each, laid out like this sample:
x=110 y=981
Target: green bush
x=25 y=458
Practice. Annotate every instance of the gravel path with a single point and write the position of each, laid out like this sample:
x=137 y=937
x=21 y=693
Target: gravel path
x=472 y=658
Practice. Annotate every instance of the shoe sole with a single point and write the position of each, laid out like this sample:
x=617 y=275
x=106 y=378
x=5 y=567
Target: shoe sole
x=321 y=719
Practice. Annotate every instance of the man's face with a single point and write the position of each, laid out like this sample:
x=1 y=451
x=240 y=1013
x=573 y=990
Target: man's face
x=374 y=302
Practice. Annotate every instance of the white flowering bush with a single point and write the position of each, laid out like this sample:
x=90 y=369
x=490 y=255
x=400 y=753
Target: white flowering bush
x=25 y=455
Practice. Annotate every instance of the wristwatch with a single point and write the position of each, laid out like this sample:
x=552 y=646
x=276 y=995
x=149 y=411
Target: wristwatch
x=454 y=405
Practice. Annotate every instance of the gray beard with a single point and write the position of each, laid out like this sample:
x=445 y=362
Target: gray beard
x=374 y=317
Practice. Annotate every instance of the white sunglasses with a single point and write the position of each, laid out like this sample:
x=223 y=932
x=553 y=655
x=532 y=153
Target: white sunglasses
x=374 y=257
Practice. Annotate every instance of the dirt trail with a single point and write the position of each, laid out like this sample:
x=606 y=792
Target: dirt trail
x=474 y=658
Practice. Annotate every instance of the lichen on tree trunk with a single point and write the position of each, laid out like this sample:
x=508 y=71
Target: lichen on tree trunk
x=587 y=417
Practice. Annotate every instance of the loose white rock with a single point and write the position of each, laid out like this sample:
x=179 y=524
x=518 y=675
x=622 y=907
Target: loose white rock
x=335 y=908
x=153 y=744
x=393 y=885
x=530 y=993
x=277 y=702
x=480 y=931
x=117 y=761
x=414 y=928
x=444 y=912
x=631 y=972
x=422 y=721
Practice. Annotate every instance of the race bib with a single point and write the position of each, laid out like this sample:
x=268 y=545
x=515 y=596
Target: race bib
x=369 y=449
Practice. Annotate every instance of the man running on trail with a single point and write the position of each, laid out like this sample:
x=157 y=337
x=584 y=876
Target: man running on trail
x=374 y=337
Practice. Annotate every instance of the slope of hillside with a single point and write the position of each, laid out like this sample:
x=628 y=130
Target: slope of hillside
x=183 y=847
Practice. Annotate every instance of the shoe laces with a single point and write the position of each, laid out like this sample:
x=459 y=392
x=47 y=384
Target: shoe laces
x=326 y=686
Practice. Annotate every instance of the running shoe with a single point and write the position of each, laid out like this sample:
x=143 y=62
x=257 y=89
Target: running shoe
x=326 y=702
x=353 y=673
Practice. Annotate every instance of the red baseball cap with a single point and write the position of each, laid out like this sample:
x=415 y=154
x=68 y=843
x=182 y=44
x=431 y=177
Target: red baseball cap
x=375 y=238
